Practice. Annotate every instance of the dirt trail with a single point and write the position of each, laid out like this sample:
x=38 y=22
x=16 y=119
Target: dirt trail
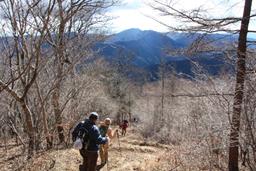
x=132 y=154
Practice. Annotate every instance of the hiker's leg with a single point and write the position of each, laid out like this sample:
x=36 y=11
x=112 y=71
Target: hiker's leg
x=95 y=158
x=88 y=161
x=92 y=161
x=82 y=167
x=102 y=158
x=106 y=152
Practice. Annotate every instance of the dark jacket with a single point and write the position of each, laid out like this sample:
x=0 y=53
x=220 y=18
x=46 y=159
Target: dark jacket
x=95 y=139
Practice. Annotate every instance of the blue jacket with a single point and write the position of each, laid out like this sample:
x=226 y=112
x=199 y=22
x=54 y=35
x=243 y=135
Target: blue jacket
x=95 y=139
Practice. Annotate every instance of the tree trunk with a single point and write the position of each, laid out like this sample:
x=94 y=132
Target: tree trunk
x=59 y=62
x=56 y=100
x=162 y=92
x=46 y=130
x=239 y=89
x=57 y=112
x=29 y=128
x=47 y=135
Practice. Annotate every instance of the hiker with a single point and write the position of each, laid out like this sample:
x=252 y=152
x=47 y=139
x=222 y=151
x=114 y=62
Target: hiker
x=91 y=139
x=124 y=126
x=106 y=131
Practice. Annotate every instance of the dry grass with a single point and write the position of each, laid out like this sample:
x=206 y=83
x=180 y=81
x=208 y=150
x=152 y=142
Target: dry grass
x=133 y=154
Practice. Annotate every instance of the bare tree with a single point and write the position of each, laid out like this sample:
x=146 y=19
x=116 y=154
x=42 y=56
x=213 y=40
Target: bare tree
x=43 y=41
x=24 y=49
x=196 y=20
x=239 y=89
x=72 y=22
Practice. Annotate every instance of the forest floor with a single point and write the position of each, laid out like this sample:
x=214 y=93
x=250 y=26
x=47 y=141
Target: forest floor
x=130 y=153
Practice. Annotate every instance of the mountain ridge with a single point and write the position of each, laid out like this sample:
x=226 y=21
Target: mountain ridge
x=148 y=49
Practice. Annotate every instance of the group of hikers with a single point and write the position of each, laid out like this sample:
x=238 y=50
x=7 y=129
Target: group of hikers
x=90 y=138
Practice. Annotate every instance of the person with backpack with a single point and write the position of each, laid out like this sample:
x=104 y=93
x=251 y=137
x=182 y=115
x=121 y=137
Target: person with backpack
x=106 y=131
x=124 y=126
x=88 y=134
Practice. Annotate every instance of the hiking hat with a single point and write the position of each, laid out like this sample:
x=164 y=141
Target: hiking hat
x=93 y=116
x=107 y=121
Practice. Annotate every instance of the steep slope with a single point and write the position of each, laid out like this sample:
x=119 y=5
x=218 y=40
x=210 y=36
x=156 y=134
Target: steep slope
x=129 y=154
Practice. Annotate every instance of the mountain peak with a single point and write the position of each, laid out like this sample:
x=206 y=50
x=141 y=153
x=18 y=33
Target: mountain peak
x=132 y=30
x=133 y=34
x=126 y=35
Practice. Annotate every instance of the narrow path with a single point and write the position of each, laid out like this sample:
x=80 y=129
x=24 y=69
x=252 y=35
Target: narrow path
x=133 y=154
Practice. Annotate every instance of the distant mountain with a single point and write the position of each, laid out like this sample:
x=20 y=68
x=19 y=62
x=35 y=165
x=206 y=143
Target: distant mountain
x=187 y=38
x=127 y=35
x=146 y=47
x=146 y=50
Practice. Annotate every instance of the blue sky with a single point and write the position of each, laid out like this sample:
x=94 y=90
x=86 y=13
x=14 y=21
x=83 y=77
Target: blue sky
x=135 y=13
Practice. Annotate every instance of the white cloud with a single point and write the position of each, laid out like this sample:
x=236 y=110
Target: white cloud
x=134 y=19
x=133 y=13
